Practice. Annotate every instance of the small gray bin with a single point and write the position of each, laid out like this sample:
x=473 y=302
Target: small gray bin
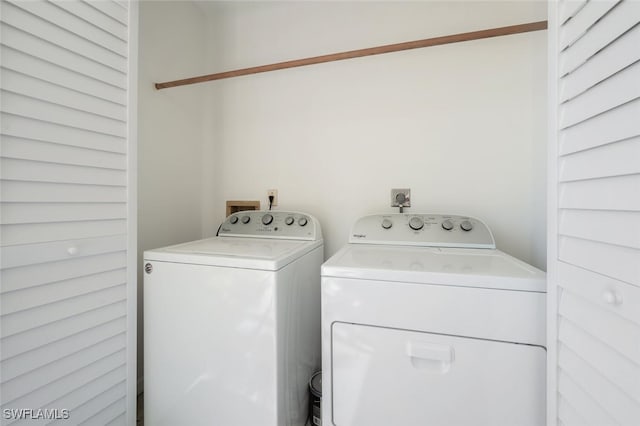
x=315 y=399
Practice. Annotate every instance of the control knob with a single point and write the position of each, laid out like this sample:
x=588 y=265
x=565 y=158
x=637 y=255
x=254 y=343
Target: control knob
x=386 y=223
x=447 y=224
x=267 y=219
x=245 y=219
x=416 y=223
x=466 y=225
x=302 y=221
x=289 y=220
x=233 y=220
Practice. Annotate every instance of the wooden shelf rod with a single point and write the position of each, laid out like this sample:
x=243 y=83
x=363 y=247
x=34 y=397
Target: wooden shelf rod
x=397 y=47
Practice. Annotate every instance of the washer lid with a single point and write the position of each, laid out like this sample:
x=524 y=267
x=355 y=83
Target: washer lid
x=235 y=252
x=485 y=268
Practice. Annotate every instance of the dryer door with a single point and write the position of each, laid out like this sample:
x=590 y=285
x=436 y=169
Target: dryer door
x=383 y=376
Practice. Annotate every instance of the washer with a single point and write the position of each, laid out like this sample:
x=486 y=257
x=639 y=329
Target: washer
x=232 y=323
x=424 y=322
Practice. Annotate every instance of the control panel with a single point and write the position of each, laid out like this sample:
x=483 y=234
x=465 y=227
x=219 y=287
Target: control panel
x=271 y=224
x=429 y=230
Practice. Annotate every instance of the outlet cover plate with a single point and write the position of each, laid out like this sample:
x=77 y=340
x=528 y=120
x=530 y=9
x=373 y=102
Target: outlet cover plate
x=394 y=194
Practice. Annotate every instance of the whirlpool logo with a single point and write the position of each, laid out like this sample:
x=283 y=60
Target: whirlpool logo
x=359 y=235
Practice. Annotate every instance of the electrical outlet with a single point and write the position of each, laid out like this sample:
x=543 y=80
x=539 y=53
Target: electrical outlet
x=273 y=192
x=401 y=195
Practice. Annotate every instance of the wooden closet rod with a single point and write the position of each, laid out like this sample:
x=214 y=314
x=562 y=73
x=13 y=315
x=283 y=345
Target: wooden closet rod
x=455 y=38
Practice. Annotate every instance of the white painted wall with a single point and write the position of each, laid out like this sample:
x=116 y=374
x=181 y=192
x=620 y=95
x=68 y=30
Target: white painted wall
x=462 y=125
x=171 y=129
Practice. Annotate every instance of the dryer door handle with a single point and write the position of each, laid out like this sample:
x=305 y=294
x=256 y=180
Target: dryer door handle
x=430 y=351
x=431 y=358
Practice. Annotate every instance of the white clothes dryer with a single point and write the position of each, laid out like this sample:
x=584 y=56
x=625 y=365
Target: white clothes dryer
x=425 y=322
x=232 y=323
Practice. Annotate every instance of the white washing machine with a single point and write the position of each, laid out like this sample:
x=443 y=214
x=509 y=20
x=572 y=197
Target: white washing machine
x=424 y=322
x=232 y=323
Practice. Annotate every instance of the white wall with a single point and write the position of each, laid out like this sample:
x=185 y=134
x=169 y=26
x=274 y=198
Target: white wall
x=462 y=125
x=171 y=129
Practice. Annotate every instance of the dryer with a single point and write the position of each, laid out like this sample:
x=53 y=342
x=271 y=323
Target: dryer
x=425 y=322
x=232 y=323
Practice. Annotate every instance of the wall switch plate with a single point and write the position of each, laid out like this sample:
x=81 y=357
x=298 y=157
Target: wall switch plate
x=273 y=192
x=399 y=195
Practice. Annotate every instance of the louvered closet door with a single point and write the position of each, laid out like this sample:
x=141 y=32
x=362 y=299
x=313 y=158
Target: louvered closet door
x=594 y=216
x=67 y=293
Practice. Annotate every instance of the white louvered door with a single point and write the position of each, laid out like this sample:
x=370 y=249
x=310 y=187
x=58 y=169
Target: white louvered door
x=594 y=213
x=68 y=162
